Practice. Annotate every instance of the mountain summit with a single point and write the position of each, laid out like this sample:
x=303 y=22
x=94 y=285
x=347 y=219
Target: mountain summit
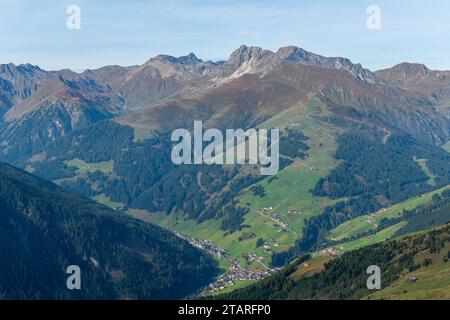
x=191 y=58
x=256 y=59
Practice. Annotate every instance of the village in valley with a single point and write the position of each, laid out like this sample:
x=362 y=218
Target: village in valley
x=235 y=272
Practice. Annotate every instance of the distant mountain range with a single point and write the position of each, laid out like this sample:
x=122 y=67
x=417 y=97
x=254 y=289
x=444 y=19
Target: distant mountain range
x=353 y=143
x=63 y=101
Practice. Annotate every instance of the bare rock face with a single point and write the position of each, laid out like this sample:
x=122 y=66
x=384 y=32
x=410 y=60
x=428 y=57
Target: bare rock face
x=24 y=79
x=18 y=83
x=256 y=60
x=418 y=77
x=7 y=96
x=244 y=54
x=70 y=89
x=404 y=70
x=191 y=58
x=297 y=55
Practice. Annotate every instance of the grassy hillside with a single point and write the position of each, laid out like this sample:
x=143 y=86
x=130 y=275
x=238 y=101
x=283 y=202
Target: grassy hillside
x=375 y=172
x=427 y=282
x=410 y=276
x=83 y=167
x=376 y=237
x=103 y=199
x=414 y=266
x=366 y=223
x=276 y=218
x=447 y=146
x=418 y=213
x=287 y=194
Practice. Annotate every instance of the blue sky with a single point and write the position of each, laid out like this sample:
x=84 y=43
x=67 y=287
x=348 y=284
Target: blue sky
x=130 y=32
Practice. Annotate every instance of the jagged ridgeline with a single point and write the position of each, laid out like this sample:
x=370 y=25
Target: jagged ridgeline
x=44 y=229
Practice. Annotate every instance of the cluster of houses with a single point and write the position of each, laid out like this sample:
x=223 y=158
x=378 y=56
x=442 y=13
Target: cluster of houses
x=237 y=273
x=371 y=218
x=294 y=124
x=267 y=212
x=273 y=243
x=330 y=252
x=289 y=212
x=270 y=244
x=254 y=257
x=206 y=245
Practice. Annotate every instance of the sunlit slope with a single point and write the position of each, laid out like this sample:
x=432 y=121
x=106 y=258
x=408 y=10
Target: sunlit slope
x=413 y=266
x=366 y=223
x=428 y=282
x=287 y=195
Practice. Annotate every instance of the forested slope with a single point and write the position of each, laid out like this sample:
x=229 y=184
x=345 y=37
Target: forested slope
x=400 y=260
x=44 y=229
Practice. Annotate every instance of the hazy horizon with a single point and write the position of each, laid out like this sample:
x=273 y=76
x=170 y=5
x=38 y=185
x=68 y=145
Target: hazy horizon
x=129 y=33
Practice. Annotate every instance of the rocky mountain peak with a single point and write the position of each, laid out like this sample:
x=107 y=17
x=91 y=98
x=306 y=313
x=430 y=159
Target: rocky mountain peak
x=11 y=71
x=245 y=53
x=263 y=60
x=409 y=69
x=22 y=80
x=292 y=53
x=191 y=58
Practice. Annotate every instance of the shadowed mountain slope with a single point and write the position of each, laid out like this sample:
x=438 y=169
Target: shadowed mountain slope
x=44 y=229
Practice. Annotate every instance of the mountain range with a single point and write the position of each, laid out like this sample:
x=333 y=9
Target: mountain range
x=353 y=143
